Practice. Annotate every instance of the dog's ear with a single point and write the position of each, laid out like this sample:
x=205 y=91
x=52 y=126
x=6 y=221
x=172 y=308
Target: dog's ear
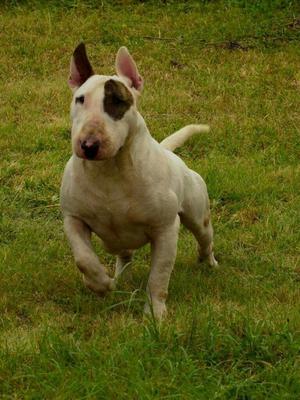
x=80 y=67
x=125 y=66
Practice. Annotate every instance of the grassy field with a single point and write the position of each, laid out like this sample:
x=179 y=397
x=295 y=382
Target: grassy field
x=230 y=334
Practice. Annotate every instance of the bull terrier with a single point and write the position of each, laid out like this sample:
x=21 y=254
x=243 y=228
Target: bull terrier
x=123 y=185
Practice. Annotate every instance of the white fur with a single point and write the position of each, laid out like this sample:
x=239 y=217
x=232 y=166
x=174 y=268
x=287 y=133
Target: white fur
x=134 y=196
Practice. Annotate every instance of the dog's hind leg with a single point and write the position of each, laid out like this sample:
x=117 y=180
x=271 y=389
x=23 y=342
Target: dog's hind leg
x=123 y=259
x=204 y=235
x=195 y=216
x=203 y=231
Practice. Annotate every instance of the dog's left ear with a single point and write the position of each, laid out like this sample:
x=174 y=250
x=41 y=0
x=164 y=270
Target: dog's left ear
x=80 y=67
x=125 y=66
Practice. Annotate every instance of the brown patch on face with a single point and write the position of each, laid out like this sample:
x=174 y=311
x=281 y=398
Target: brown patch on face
x=82 y=63
x=117 y=99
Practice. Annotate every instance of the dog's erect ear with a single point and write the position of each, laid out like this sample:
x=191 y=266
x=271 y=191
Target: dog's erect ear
x=125 y=66
x=80 y=67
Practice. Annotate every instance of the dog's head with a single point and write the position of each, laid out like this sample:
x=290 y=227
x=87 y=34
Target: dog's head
x=103 y=109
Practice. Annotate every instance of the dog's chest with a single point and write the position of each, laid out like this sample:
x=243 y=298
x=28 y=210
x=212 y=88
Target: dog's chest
x=113 y=210
x=122 y=210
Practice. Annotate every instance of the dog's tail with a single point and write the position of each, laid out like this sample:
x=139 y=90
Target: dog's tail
x=178 y=138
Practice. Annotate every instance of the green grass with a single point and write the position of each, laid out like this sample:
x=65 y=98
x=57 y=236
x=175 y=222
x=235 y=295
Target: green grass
x=230 y=334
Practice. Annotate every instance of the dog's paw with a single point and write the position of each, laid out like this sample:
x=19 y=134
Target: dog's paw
x=156 y=309
x=212 y=261
x=101 y=285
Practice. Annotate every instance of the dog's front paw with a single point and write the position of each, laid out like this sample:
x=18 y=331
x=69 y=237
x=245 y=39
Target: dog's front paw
x=157 y=309
x=101 y=285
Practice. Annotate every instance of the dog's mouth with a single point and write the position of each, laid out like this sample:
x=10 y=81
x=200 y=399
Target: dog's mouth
x=90 y=155
x=93 y=155
x=90 y=158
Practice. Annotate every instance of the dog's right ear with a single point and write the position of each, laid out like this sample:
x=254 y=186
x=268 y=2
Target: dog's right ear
x=80 y=67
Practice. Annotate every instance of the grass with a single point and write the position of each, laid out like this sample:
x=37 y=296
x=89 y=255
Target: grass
x=230 y=334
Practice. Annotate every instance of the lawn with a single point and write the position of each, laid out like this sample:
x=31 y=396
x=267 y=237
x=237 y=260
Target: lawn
x=233 y=333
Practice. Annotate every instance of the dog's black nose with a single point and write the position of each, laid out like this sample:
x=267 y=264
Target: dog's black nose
x=90 y=148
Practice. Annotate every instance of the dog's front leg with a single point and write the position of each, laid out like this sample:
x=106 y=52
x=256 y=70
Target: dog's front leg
x=94 y=275
x=163 y=255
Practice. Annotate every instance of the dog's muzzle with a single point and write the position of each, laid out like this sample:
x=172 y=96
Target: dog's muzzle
x=90 y=148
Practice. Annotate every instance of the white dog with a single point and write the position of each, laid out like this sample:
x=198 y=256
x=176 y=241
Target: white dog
x=125 y=186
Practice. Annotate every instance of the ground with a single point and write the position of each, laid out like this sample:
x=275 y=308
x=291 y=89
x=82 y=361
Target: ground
x=233 y=333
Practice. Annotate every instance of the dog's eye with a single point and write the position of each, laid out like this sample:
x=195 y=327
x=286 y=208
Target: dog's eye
x=79 y=99
x=117 y=100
